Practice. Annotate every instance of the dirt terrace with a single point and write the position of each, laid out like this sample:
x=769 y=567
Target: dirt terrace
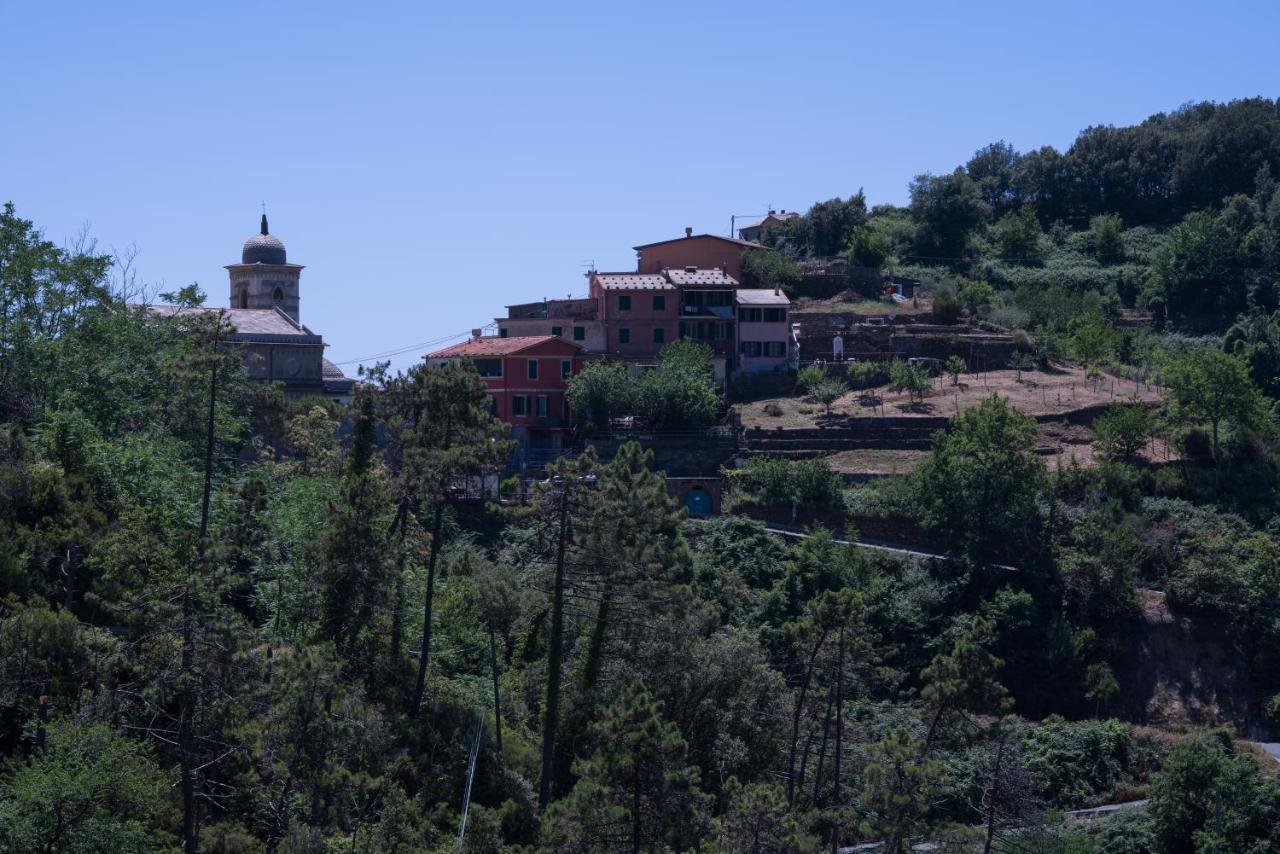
x=1041 y=394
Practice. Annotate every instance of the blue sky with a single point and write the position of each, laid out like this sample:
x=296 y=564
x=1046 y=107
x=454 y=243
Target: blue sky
x=431 y=163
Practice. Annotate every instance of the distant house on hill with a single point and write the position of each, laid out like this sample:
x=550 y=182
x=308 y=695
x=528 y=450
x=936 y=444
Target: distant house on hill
x=755 y=230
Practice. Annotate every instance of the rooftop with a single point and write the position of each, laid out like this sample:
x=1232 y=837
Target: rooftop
x=761 y=296
x=245 y=321
x=701 y=276
x=733 y=240
x=772 y=216
x=497 y=346
x=633 y=282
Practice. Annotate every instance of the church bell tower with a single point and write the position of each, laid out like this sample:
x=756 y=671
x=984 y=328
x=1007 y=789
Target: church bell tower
x=264 y=279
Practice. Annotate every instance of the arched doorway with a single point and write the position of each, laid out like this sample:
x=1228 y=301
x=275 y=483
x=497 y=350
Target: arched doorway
x=698 y=502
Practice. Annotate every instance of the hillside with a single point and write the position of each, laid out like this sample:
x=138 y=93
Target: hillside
x=236 y=621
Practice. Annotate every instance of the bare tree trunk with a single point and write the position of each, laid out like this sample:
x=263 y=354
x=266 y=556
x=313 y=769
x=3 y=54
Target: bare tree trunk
x=497 y=698
x=993 y=796
x=822 y=748
x=437 y=523
x=795 y=721
x=186 y=709
x=555 y=653
x=835 y=760
x=397 y=612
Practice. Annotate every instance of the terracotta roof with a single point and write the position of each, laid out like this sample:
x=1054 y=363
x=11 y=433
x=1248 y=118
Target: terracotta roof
x=774 y=216
x=733 y=240
x=633 y=282
x=761 y=296
x=496 y=346
x=701 y=276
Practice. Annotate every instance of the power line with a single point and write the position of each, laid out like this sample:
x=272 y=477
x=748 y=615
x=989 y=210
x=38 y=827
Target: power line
x=407 y=347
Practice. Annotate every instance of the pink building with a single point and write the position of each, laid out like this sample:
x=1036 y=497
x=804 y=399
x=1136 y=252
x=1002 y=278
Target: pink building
x=639 y=312
x=764 y=330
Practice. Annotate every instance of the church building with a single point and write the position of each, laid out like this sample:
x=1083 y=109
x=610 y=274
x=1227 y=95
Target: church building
x=265 y=313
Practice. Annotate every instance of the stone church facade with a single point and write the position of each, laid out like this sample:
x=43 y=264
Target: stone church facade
x=265 y=312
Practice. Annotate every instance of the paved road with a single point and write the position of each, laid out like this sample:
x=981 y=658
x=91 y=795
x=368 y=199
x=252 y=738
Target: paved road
x=878 y=545
x=1271 y=747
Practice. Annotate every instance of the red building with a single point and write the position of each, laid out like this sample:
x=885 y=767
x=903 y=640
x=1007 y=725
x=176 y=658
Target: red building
x=703 y=251
x=527 y=377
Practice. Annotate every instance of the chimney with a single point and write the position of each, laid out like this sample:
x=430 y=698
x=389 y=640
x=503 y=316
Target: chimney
x=688 y=231
x=777 y=293
x=475 y=333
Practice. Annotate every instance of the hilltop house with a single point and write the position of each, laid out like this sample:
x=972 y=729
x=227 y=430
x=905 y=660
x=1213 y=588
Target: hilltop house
x=755 y=230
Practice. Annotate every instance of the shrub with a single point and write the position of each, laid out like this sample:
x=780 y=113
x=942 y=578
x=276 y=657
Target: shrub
x=773 y=409
x=946 y=307
x=1122 y=431
x=808 y=377
x=775 y=481
x=600 y=391
x=828 y=392
x=867 y=374
x=910 y=378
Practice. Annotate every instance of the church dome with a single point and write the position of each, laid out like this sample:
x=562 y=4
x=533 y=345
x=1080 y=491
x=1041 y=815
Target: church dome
x=263 y=248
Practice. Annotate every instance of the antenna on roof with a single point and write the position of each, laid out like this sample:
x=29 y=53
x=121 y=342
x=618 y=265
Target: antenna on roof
x=590 y=264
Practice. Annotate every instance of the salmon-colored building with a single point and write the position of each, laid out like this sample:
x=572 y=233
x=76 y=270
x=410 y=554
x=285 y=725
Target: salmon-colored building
x=527 y=377
x=639 y=312
x=704 y=251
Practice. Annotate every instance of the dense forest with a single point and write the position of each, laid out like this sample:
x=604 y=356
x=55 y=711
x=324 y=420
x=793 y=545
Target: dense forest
x=233 y=622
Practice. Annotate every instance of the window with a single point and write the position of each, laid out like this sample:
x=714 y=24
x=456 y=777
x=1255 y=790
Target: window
x=659 y=335
x=751 y=348
x=566 y=368
x=624 y=336
x=278 y=296
x=659 y=303
x=502 y=332
x=750 y=315
x=489 y=367
x=557 y=331
x=533 y=369
x=624 y=302
x=579 y=333
x=520 y=405
x=775 y=349
x=775 y=315
x=544 y=406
